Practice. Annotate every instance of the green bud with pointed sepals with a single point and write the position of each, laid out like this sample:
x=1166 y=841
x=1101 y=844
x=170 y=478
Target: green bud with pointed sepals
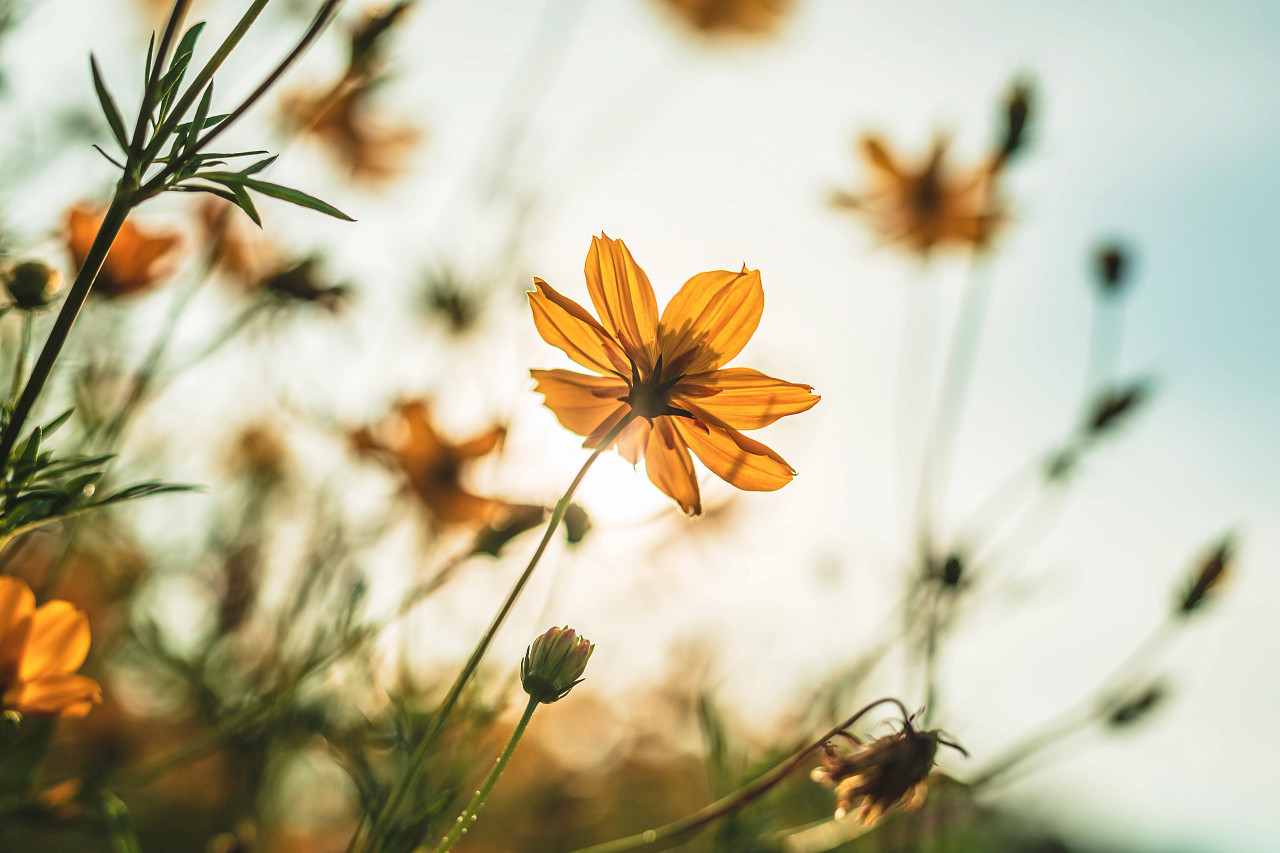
x=554 y=664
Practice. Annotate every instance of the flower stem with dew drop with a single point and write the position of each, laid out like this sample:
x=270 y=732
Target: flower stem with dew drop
x=468 y=816
x=373 y=840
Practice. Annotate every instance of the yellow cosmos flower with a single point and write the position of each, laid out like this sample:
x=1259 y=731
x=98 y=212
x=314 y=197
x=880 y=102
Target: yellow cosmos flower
x=40 y=651
x=667 y=372
x=927 y=206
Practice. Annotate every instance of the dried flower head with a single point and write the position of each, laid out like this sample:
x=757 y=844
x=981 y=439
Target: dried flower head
x=928 y=206
x=301 y=283
x=137 y=262
x=32 y=284
x=667 y=373
x=731 y=17
x=40 y=651
x=369 y=37
x=890 y=772
x=433 y=465
x=1212 y=570
x=554 y=664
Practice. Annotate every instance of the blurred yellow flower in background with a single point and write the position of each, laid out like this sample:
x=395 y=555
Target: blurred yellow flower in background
x=929 y=206
x=433 y=465
x=667 y=371
x=40 y=651
x=138 y=259
x=749 y=17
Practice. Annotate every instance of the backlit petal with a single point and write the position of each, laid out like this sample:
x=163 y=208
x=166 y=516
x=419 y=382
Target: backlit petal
x=742 y=398
x=623 y=298
x=565 y=324
x=667 y=462
x=736 y=459
x=58 y=643
x=580 y=402
x=710 y=320
x=633 y=441
x=59 y=695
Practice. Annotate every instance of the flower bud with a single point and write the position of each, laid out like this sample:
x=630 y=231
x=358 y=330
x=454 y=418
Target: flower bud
x=554 y=664
x=1210 y=575
x=32 y=284
x=1112 y=268
x=1138 y=707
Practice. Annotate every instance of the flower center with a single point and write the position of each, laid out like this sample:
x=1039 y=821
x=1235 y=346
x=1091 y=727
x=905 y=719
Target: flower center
x=649 y=396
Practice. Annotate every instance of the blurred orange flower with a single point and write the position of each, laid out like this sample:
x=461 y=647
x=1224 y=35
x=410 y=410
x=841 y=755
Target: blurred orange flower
x=929 y=206
x=374 y=152
x=433 y=465
x=754 y=17
x=40 y=651
x=138 y=260
x=667 y=371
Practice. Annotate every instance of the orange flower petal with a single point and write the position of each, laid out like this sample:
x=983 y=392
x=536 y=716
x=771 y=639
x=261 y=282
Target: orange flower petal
x=17 y=604
x=710 y=320
x=742 y=398
x=670 y=468
x=58 y=643
x=419 y=445
x=634 y=439
x=580 y=402
x=565 y=324
x=60 y=695
x=483 y=444
x=623 y=298
x=736 y=459
x=878 y=157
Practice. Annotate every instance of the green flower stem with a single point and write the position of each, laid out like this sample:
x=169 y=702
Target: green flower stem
x=20 y=359
x=681 y=830
x=374 y=840
x=468 y=815
x=121 y=203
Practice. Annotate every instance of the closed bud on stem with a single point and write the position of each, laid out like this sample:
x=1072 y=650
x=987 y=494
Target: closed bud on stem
x=32 y=284
x=1112 y=268
x=554 y=664
x=1138 y=707
x=1211 y=572
x=1017 y=110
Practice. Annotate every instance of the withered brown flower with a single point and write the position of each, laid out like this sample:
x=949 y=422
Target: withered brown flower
x=890 y=772
x=342 y=119
x=731 y=17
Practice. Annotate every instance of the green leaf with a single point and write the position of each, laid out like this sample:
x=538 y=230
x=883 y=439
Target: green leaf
x=109 y=108
x=260 y=165
x=196 y=125
x=151 y=52
x=276 y=191
x=124 y=838
x=52 y=426
x=143 y=490
x=226 y=195
x=246 y=203
x=172 y=79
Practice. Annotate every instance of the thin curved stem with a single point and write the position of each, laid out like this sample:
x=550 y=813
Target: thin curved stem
x=678 y=831
x=374 y=839
x=468 y=815
x=24 y=347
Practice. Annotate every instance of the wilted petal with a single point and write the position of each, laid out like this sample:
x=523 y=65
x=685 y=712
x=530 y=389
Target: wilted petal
x=710 y=320
x=667 y=462
x=623 y=298
x=58 y=643
x=742 y=398
x=736 y=459
x=580 y=402
x=60 y=695
x=565 y=324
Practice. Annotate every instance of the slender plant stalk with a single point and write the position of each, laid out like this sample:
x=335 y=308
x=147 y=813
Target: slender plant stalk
x=1102 y=702
x=681 y=830
x=468 y=815
x=381 y=823
x=121 y=203
x=20 y=360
